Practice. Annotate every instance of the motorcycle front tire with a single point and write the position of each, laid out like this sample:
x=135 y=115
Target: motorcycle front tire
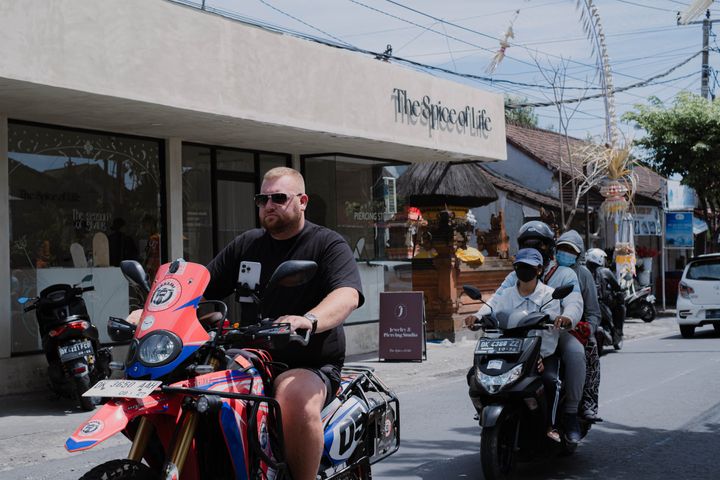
x=497 y=444
x=120 y=470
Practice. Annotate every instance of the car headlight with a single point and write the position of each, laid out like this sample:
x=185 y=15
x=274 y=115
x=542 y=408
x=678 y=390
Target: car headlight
x=493 y=383
x=158 y=348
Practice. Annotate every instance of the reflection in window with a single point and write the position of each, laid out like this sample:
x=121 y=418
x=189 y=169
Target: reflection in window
x=357 y=198
x=79 y=202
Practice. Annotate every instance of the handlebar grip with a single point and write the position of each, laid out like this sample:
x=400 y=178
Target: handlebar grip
x=30 y=308
x=301 y=339
x=88 y=289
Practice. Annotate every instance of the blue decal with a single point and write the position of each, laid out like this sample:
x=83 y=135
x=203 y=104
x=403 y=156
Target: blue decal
x=192 y=303
x=72 y=445
x=137 y=369
x=234 y=441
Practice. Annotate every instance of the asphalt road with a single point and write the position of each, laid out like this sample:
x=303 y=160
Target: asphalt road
x=659 y=397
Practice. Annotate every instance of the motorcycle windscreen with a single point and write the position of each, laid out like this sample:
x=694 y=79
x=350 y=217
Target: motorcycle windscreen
x=171 y=306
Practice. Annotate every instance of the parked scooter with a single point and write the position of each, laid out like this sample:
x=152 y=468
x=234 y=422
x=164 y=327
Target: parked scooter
x=70 y=341
x=508 y=392
x=640 y=303
x=192 y=412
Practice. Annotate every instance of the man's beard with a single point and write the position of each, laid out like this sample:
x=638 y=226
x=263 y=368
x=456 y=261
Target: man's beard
x=280 y=225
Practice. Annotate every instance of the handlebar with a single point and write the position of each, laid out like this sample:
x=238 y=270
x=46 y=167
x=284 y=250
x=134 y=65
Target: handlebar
x=30 y=307
x=266 y=332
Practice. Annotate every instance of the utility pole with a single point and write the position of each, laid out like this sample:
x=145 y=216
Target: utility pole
x=705 y=72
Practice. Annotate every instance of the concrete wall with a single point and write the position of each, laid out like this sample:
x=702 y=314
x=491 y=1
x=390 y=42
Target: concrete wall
x=170 y=55
x=526 y=171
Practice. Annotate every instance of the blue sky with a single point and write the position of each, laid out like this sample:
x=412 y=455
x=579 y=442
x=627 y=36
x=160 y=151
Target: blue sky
x=643 y=40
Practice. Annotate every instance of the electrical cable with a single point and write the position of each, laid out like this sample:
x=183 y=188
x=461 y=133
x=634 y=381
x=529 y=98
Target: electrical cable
x=616 y=90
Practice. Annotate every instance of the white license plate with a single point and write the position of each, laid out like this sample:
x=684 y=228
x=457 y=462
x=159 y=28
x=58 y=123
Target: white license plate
x=498 y=346
x=75 y=350
x=123 y=388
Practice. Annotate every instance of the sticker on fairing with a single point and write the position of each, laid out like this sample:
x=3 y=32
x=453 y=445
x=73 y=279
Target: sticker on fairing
x=93 y=426
x=495 y=365
x=165 y=295
x=147 y=323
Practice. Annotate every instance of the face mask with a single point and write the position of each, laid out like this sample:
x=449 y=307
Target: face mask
x=525 y=273
x=565 y=259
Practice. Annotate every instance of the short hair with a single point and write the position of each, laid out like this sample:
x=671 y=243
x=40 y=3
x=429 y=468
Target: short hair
x=278 y=172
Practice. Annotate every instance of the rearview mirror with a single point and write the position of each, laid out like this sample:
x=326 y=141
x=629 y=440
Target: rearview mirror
x=86 y=278
x=562 y=292
x=23 y=300
x=292 y=273
x=472 y=292
x=135 y=273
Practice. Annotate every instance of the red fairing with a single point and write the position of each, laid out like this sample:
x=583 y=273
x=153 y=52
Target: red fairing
x=172 y=302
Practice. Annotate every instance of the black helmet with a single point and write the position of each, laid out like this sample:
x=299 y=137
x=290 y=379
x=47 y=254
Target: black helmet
x=538 y=235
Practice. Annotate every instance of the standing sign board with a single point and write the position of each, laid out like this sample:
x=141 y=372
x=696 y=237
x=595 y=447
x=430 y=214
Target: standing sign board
x=678 y=230
x=402 y=326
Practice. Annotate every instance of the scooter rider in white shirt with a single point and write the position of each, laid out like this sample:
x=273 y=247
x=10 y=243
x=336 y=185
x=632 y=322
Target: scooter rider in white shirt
x=538 y=235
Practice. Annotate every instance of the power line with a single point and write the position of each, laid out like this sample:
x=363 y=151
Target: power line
x=647 y=6
x=620 y=89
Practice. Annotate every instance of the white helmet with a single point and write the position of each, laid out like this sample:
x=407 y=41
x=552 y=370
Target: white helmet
x=596 y=256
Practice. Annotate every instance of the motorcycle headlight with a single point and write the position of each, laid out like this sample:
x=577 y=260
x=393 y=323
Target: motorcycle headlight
x=158 y=348
x=493 y=383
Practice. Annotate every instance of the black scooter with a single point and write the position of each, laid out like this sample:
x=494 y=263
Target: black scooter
x=509 y=395
x=76 y=361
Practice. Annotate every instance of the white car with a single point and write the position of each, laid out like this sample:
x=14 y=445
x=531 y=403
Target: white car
x=698 y=300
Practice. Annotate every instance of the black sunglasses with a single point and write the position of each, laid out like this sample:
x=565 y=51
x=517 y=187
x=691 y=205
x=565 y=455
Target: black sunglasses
x=261 y=199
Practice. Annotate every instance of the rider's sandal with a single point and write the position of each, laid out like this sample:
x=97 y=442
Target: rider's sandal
x=554 y=435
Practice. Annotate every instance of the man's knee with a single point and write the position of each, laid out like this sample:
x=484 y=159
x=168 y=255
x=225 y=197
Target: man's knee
x=300 y=390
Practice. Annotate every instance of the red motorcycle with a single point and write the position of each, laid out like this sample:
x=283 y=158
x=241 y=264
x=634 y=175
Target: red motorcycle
x=193 y=412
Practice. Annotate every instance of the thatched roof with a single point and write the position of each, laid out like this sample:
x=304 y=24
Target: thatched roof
x=446 y=183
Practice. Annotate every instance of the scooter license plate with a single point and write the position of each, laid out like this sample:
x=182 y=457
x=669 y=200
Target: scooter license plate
x=75 y=350
x=489 y=346
x=123 y=388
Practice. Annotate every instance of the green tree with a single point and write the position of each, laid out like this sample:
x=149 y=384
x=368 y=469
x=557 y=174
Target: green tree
x=684 y=139
x=520 y=116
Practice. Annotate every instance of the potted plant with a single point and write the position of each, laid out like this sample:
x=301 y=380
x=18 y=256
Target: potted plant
x=645 y=255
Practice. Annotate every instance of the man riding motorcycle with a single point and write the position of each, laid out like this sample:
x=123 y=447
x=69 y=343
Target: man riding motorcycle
x=570 y=247
x=538 y=235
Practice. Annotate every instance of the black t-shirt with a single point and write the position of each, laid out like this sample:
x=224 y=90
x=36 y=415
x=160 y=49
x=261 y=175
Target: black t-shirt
x=336 y=268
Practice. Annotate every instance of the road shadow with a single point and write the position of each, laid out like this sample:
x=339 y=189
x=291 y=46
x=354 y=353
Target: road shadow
x=38 y=404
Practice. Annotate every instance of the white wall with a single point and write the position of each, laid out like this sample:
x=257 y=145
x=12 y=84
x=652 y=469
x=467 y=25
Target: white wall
x=169 y=55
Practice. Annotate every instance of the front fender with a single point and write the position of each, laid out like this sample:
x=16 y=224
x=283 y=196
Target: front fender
x=115 y=415
x=490 y=414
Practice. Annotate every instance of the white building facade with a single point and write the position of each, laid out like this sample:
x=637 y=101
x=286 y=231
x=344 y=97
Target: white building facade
x=141 y=129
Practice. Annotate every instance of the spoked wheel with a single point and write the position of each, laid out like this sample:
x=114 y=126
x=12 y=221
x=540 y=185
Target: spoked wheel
x=121 y=470
x=497 y=448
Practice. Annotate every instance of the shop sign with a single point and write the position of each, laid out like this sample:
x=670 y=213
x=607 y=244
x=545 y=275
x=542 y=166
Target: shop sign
x=646 y=221
x=467 y=119
x=402 y=326
x=678 y=230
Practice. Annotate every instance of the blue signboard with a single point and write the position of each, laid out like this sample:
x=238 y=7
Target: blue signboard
x=678 y=230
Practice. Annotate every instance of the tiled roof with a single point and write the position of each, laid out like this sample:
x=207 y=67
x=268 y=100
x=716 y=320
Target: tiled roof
x=549 y=149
